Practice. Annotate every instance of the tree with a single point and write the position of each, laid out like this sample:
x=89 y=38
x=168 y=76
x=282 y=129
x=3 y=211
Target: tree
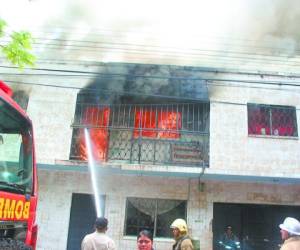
x=17 y=49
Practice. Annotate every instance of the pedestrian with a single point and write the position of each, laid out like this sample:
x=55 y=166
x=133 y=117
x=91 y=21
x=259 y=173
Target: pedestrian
x=228 y=239
x=180 y=234
x=145 y=240
x=290 y=234
x=98 y=240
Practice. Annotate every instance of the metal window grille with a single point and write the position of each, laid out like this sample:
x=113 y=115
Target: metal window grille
x=272 y=120
x=172 y=134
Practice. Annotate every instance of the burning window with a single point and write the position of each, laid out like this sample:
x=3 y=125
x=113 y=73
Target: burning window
x=272 y=120
x=157 y=124
x=155 y=215
x=97 y=120
x=140 y=133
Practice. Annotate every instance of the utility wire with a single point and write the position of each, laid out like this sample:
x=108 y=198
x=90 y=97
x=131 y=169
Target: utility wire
x=192 y=68
x=158 y=49
x=87 y=89
x=162 y=49
x=219 y=82
x=227 y=64
x=225 y=55
x=65 y=30
x=199 y=68
x=130 y=76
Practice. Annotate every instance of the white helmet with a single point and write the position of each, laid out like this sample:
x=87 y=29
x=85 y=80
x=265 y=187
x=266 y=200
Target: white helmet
x=180 y=224
x=291 y=225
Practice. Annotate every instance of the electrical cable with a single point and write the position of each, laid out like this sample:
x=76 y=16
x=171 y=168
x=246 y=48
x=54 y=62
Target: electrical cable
x=166 y=50
x=112 y=75
x=110 y=45
x=209 y=82
x=130 y=93
x=120 y=34
x=197 y=68
x=225 y=55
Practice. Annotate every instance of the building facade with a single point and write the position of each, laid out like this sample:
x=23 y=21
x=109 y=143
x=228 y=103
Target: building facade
x=213 y=147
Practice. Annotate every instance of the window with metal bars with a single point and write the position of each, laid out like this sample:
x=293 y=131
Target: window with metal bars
x=155 y=215
x=166 y=133
x=272 y=120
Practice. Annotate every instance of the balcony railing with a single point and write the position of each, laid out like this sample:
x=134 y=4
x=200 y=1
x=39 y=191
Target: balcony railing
x=166 y=134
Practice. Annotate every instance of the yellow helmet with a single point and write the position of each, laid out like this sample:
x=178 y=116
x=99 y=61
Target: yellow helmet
x=180 y=224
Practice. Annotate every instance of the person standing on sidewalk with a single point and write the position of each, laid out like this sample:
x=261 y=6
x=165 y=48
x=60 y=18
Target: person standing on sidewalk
x=290 y=234
x=145 y=240
x=180 y=233
x=98 y=240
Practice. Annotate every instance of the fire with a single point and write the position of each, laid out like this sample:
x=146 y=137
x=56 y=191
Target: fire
x=148 y=125
x=97 y=119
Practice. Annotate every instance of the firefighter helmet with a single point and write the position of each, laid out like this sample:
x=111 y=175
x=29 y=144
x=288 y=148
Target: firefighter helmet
x=180 y=224
x=291 y=225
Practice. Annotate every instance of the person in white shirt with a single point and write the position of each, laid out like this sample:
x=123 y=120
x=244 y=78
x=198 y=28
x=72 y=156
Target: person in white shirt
x=98 y=240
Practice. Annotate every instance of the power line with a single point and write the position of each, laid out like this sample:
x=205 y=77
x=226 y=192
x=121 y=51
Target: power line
x=86 y=89
x=213 y=82
x=225 y=55
x=99 y=32
x=228 y=64
x=120 y=34
x=144 y=46
x=199 y=68
x=254 y=58
x=89 y=74
x=166 y=50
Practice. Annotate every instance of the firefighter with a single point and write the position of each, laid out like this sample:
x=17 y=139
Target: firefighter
x=180 y=234
x=290 y=234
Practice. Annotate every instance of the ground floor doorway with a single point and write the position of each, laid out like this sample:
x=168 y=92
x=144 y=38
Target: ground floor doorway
x=82 y=218
x=256 y=226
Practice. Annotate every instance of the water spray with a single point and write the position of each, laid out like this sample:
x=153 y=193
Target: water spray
x=92 y=167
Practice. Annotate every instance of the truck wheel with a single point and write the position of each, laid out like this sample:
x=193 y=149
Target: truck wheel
x=8 y=244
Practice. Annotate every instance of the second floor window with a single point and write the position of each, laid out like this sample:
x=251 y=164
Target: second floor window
x=272 y=120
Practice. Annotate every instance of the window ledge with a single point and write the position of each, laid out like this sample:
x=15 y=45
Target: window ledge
x=125 y=237
x=275 y=137
x=156 y=239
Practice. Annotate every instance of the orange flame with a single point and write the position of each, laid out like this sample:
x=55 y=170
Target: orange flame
x=98 y=119
x=146 y=122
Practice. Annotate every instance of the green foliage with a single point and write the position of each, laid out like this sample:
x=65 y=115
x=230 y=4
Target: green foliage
x=2 y=27
x=17 y=49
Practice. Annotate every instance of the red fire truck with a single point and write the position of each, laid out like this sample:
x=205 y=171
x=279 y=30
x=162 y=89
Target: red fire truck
x=18 y=177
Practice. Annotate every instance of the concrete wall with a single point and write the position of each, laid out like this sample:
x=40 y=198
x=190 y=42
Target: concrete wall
x=52 y=111
x=56 y=188
x=232 y=151
x=55 y=192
